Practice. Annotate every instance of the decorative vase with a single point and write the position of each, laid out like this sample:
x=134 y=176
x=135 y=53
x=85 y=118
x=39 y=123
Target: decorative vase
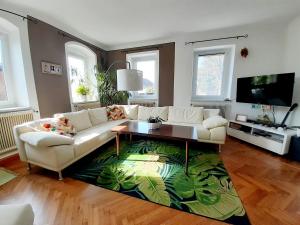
x=84 y=98
x=154 y=126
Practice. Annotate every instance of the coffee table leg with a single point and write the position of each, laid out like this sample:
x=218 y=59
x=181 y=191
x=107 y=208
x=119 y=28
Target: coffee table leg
x=186 y=157
x=118 y=144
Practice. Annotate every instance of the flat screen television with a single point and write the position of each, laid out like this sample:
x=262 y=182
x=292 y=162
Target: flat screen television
x=275 y=89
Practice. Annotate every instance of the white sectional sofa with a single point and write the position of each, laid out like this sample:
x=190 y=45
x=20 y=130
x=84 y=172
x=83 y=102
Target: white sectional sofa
x=56 y=152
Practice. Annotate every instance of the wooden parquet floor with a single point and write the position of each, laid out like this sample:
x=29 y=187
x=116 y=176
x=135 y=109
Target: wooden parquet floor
x=268 y=185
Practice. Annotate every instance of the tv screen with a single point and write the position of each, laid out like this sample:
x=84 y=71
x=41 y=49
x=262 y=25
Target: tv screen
x=276 y=89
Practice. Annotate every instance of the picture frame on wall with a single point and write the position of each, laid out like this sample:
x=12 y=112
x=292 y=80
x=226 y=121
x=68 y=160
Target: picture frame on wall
x=241 y=118
x=51 y=68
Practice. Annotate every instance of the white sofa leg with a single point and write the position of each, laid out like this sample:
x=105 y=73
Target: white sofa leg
x=29 y=167
x=220 y=148
x=60 y=177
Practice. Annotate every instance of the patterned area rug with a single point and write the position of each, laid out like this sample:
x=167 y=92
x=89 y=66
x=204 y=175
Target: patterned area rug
x=154 y=171
x=6 y=176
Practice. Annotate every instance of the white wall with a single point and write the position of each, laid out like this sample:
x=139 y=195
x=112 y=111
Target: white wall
x=292 y=61
x=266 y=53
x=267 y=45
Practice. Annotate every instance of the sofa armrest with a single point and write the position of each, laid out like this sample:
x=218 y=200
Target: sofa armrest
x=46 y=139
x=24 y=128
x=16 y=214
x=218 y=134
x=17 y=130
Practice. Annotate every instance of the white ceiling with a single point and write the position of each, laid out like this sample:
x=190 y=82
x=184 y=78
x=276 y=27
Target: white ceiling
x=117 y=22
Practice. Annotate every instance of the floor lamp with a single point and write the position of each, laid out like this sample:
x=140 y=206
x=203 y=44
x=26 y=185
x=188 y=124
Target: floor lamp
x=127 y=79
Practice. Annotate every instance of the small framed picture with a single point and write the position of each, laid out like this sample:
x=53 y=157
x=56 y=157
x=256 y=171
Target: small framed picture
x=51 y=68
x=241 y=118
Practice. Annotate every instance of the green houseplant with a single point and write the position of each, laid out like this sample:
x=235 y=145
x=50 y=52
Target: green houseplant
x=83 y=90
x=107 y=88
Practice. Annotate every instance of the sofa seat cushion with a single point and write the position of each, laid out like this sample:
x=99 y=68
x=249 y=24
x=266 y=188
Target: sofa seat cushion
x=55 y=157
x=145 y=112
x=90 y=139
x=45 y=139
x=185 y=114
x=202 y=132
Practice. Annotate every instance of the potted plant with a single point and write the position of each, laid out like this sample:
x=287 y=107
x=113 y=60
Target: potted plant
x=154 y=122
x=107 y=88
x=83 y=91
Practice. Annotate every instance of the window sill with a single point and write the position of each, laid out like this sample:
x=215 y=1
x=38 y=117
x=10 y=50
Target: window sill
x=83 y=102
x=14 y=109
x=143 y=99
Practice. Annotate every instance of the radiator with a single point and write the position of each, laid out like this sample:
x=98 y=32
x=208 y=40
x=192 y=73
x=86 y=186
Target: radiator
x=145 y=103
x=7 y=122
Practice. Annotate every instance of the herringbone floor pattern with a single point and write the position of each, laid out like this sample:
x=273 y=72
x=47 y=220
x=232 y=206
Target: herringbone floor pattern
x=268 y=185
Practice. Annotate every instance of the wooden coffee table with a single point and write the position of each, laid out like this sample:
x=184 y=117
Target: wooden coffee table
x=169 y=132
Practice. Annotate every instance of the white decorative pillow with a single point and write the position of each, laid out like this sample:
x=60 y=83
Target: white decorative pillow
x=46 y=139
x=214 y=121
x=98 y=115
x=80 y=120
x=210 y=112
x=131 y=111
x=145 y=112
x=185 y=114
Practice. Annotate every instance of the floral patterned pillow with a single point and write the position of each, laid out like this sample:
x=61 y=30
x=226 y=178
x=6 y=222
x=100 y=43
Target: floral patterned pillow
x=115 y=112
x=61 y=126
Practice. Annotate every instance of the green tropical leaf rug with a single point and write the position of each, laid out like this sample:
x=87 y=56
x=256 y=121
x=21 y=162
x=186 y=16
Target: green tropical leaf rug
x=154 y=171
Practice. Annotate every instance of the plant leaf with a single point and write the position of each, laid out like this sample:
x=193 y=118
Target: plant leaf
x=153 y=187
x=115 y=176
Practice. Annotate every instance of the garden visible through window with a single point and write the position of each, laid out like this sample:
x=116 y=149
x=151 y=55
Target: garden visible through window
x=209 y=75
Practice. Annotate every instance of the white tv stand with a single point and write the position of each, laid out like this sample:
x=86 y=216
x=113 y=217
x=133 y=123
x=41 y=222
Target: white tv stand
x=266 y=137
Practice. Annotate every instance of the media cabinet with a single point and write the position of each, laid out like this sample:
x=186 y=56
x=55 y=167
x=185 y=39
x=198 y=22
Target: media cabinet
x=272 y=139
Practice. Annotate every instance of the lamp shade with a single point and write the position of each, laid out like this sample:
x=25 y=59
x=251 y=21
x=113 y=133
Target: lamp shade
x=129 y=80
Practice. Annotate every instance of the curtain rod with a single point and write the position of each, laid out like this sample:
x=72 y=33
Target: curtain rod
x=146 y=48
x=16 y=14
x=217 y=39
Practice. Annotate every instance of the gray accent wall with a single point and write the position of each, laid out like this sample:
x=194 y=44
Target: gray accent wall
x=47 y=43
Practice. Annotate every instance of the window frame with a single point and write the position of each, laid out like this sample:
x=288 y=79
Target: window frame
x=80 y=51
x=147 y=56
x=10 y=102
x=227 y=74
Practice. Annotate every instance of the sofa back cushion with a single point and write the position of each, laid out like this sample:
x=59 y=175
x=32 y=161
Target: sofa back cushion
x=131 y=111
x=145 y=112
x=80 y=120
x=185 y=114
x=211 y=112
x=98 y=115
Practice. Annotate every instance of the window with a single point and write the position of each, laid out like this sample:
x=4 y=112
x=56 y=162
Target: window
x=77 y=75
x=13 y=84
x=81 y=62
x=3 y=92
x=212 y=73
x=148 y=63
